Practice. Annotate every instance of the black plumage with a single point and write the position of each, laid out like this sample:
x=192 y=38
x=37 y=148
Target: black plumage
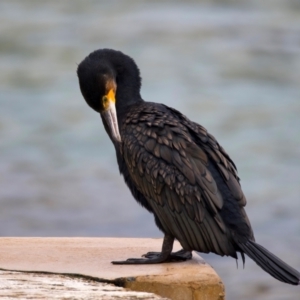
x=174 y=168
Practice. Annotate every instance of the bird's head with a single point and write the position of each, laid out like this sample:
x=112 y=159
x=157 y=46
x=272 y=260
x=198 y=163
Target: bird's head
x=97 y=81
x=101 y=74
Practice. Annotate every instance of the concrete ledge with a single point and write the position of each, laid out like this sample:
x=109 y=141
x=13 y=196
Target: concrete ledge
x=38 y=286
x=91 y=257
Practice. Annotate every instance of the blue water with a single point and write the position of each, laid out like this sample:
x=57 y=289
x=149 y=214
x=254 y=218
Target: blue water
x=233 y=68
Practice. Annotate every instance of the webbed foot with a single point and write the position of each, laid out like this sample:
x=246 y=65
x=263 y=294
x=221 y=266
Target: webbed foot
x=157 y=258
x=165 y=255
x=141 y=261
x=181 y=255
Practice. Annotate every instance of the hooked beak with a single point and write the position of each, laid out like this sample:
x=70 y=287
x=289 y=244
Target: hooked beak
x=110 y=115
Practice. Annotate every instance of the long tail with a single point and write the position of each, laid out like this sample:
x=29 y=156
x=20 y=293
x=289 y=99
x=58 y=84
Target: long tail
x=270 y=263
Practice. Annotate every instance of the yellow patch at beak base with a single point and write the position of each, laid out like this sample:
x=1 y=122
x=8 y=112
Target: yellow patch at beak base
x=108 y=99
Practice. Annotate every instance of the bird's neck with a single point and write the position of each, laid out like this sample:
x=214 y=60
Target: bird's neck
x=124 y=105
x=128 y=94
x=128 y=86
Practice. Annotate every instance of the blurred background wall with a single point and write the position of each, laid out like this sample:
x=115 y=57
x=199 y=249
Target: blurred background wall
x=232 y=66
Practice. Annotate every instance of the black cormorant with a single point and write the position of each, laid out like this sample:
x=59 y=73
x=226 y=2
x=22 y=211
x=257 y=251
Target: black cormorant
x=174 y=168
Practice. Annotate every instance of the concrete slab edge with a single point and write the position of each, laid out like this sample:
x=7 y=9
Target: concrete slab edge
x=154 y=284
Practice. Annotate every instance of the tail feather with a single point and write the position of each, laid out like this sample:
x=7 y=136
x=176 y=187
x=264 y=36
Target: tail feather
x=270 y=263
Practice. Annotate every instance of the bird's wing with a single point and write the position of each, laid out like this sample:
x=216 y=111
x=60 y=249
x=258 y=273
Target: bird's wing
x=216 y=154
x=172 y=172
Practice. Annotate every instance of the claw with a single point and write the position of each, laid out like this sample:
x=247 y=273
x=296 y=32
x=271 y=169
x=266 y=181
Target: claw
x=137 y=261
x=151 y=254
x=130 y=261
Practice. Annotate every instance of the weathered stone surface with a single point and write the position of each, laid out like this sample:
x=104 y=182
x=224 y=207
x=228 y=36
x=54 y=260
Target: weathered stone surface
x=16 y=285
x=190 y=280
